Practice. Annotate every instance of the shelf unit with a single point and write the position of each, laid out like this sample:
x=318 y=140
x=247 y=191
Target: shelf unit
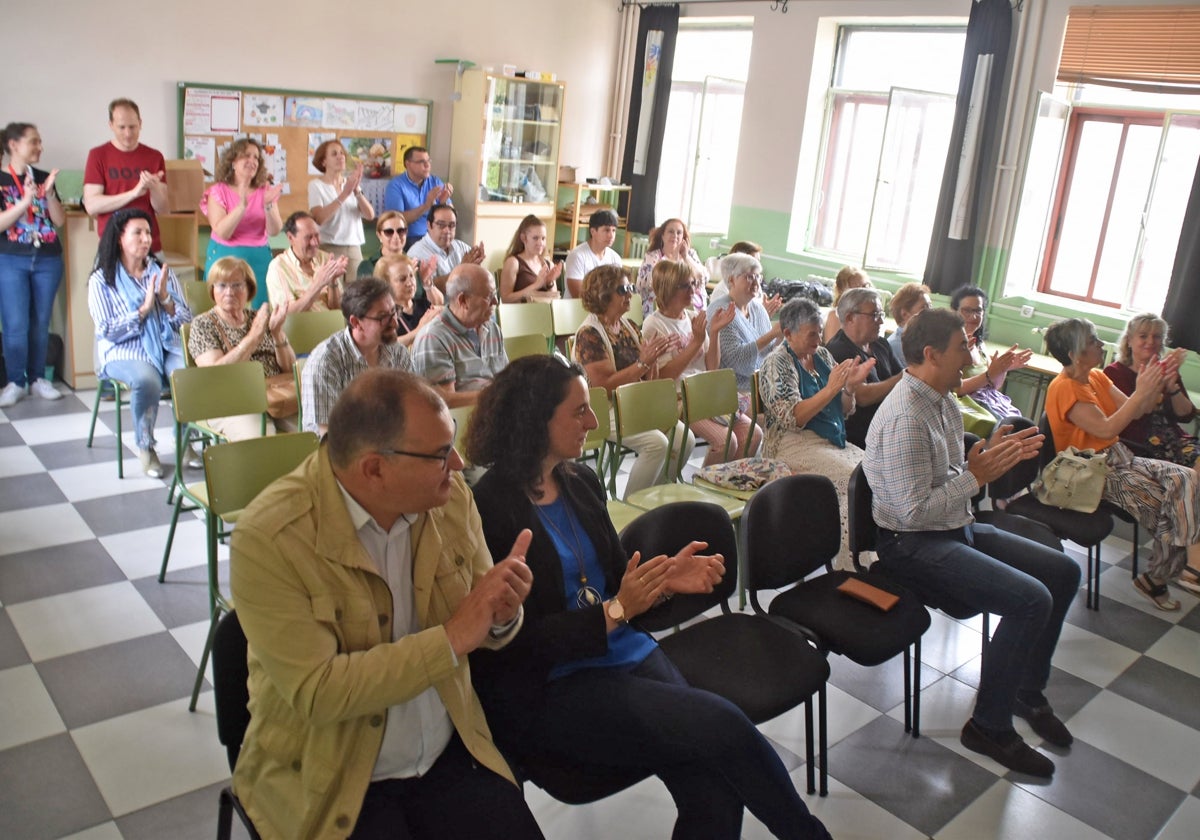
x=504 y=144
x=571 y=214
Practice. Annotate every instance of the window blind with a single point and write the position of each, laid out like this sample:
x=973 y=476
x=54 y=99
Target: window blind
x=1152 y=48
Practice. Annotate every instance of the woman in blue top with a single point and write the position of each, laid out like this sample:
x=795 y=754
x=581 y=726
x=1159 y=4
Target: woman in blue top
x=579 y=686
x=138 y=307
x=806 y=397
x=31 y=264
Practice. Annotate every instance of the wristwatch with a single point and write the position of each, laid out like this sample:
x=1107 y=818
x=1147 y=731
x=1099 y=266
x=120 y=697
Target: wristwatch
x=615 y=611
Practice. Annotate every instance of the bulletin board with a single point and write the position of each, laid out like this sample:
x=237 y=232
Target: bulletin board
x=290 y=124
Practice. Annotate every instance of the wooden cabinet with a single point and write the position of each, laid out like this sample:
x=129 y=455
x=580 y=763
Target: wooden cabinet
x=180 y=251
x=504 y=149
x=574 y=213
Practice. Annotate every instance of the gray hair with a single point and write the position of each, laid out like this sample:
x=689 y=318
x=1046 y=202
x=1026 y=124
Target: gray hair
x=932 y=328
x=735 y=265
x=1069 y=338
x=461 y=280
x=1136 y=324
x=797 y=313
x=852 y=299
x=369 y=414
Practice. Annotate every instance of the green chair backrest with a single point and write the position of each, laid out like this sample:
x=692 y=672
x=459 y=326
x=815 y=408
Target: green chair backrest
x=235 y=473
x=517 y=346
x=305 y=330
x=568 y=315
x=185 y=332
x=646 y=406
x=201 y=393
x=462 y=420
x=598 y=436
x=712 y=393
x=297 y=376
x=195 y=292
x=756 y=409
x=635 y=309
x=534 y=318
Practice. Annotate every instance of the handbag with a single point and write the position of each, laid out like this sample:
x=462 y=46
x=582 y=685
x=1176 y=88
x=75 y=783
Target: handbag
x=282 y=401
x=744 y=475
x=1074 y=480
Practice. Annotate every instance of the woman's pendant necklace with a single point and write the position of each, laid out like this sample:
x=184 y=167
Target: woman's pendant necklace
x=585 y=596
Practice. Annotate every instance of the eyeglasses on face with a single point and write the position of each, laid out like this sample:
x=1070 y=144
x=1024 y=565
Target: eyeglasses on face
x=389 y=232
x=971 y=310
x=238 y=286
x=875 y=314
x=392 y=314
x=451 y=225
x=625 y=289
x=442 y=456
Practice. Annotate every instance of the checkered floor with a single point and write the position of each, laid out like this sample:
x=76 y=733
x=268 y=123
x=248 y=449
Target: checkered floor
x=97 y=661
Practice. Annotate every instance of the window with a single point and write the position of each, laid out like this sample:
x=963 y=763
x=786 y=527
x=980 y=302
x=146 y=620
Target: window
x=888 y=115
x=704 y=117
x=1108 y=223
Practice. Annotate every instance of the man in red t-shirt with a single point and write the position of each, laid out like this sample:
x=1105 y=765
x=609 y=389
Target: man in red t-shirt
x=124 y=173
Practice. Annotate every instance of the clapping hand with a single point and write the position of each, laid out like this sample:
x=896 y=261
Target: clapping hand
x=549 y=275
x=699 y=325
x=694 y=573
x=475 y=255
x=772 y=304
x=990 y=459
x=1010 y=359
x=722 y=318
x=271 y=194
x=644 y=583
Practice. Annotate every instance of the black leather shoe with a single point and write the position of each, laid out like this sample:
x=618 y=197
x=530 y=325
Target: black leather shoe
x=1007 y=748
x=1045 y=723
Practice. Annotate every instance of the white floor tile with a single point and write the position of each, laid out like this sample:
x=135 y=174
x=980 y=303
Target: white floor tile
x=1179 y=648
x=844 y=715
x=139 y=553
x=26 y=711
x=1115 y=583
x=186 y=754
x=1006 y=812
x=191 y=637
x=56 y=428
x=41 y=527
x=846 y=814
x=95 y=481
x=949 y=644
x=18 y=460
x=1184 y=823
x=1142 y=737
x=643 y=812
x=1091 y=657
x=81 y=620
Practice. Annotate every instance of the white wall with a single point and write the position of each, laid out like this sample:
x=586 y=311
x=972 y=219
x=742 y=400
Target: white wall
x=66 y=59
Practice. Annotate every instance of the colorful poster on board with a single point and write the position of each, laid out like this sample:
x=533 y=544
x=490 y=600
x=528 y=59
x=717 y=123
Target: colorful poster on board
x=315 y=139
x=410 y=119
x=304 y=111
x=403 y=143
x=374 y=153
x=374 y=116
x=340 y=113
x=260 y=109
x=202 y=149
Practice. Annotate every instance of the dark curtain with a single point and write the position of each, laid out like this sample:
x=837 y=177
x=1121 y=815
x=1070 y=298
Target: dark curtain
x=1183 y=295
x=663 y=19
x=953 y=253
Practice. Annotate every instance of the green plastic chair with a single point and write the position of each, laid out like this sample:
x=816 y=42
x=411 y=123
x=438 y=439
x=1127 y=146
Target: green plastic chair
x=199 y=394
x=297 y=372
x=568 y=316
x=711 y=394
x=195 y=292
x=305 y=330
x=119 y=388
x=635 y=309
x=234 y=474
x=462 y=419
x=535 y=318
x=646 y=406
x=517 y=346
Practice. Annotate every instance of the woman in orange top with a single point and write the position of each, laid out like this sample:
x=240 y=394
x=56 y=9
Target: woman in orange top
x=1087 y=411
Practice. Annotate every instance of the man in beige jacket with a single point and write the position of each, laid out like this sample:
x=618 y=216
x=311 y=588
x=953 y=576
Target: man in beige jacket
x=362 y=581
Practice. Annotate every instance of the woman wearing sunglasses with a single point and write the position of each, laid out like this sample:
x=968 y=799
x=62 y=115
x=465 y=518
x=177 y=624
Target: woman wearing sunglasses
x=612 y=353
x=392 y=231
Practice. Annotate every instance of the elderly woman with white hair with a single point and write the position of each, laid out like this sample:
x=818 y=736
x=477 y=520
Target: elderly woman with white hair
x=861 y=314
x=1087 y=411
x=806 y=397
x=746 y=340
x=1156 y=434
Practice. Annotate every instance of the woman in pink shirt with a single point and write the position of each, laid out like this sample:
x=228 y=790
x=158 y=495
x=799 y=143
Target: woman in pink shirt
x=243 y=210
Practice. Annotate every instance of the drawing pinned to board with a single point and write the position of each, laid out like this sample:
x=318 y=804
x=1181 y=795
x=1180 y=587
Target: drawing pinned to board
x=202 y=149
x=262 y=109
x=340 y=113
x=374 y=116
x=410 y=119
x=404 y=142
x=374 y=153
x=315 y=139
x=275 y=160
x=304 y=111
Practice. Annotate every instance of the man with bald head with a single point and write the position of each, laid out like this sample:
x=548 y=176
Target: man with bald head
x=363 y=581
x=462 y=350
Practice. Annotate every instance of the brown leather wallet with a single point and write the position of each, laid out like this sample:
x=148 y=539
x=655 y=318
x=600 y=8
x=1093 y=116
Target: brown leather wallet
x=862 y=591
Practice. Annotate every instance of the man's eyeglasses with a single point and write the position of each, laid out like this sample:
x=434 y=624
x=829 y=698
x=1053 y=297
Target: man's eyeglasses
x=230 y=287
x=876 y=314
x=971 y=310
x=625 y=289
x=393 y=314
x=394 y=232
x=445 y=225
x=425 y=456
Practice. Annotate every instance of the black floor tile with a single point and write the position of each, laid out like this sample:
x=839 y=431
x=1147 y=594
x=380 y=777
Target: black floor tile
x=9 y=435
x=1119 y=623
x=76 y=453
x=47 y=790
x=192 y=816
x=12 y=650
x=180 y=599
x=1160 y=687
x=26 y=491
x=127 y=512
x=53 y=571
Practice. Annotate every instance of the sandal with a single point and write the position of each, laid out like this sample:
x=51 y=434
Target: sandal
x=1156 y=592
x=1189 y=579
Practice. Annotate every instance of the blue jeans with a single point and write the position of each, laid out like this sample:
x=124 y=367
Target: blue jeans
x=706 y=751
x=28 y=285
x=1027 y=584
x=146 y=385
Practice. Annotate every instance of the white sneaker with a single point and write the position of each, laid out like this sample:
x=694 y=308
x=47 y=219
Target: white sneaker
x=11 y=395
x=150 y=463
x=45 y=390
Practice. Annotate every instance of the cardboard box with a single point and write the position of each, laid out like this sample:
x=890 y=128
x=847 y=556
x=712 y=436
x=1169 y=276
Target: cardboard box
x=185 y=185
x=568 y=174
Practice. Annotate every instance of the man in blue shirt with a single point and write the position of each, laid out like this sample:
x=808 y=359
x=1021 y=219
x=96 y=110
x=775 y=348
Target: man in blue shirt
x=415 y=191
